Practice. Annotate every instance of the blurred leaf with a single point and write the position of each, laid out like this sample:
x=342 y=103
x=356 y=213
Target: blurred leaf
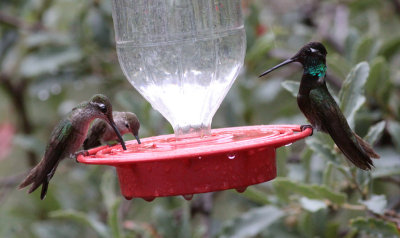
x=28 y=142
x=363 y=49
x=261 y=47
x=375 y=132
x=323 y=145
x=352 y=93
x=326 y=178
x=377 y=203
x=375 y=227
x=291 y=86
x=251 y=223
x=390 y=47
x=49 y=62
x=113 y=221
x=51 y=229
x=338 y=65
x=108 y=188
x=394 y=131
x=380 y=172
x=256 y=195
x=312 y=205
x=319 y=192
x=45 y=39
x=111 y=201
x=82 y=219
x=378 y=84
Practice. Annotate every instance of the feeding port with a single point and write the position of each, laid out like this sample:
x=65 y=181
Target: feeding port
x=183 y=57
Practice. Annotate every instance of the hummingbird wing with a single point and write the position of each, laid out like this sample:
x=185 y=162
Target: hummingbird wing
x=335 y=124
x=56 y=150
x=95 y=134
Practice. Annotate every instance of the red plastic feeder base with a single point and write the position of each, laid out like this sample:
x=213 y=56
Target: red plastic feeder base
x=164 y=166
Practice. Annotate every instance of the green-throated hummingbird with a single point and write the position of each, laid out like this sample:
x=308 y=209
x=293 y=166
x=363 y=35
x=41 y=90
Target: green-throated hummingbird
x=101 y=132
x=320 y=108
x=66 y=139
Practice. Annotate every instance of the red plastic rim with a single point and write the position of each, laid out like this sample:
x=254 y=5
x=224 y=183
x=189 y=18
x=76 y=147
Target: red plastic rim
x=164 y=166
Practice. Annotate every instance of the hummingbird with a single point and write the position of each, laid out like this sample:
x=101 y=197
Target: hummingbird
x=67 y=137
x=101 y=132
x=321 y=110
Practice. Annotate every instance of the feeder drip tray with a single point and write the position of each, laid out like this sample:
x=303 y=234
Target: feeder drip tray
x=165 y=166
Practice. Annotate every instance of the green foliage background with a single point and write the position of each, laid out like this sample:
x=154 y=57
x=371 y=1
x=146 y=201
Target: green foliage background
x=56 y=53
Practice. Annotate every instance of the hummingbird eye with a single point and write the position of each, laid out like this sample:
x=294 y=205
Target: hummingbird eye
x=102 y=108
x=127 y=125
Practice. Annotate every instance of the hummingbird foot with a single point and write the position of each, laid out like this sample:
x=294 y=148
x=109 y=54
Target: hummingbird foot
x=303 y=127
x=82 y=152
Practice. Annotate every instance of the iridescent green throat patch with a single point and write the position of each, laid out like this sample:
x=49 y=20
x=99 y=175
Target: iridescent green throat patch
x=316 y=70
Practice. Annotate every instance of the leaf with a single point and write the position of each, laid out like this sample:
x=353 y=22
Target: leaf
x=380 y=172
x=111 y=201
x=29 y=142
x=256 y=195
x=363 y=49
x=326 y=178
x=312 y=205
x=375 y=227
x=251 y=223
x=320 y=144
x=378 y=84
x=113 y=221
x=390 y=48
x=83 y=219
x=377 y=203
x=352 y=93
x=320 y=192
x=107 y=187
x=375 y=132
x=49 y=62
x=291 y=86
x=45 y=39
x=394 y=131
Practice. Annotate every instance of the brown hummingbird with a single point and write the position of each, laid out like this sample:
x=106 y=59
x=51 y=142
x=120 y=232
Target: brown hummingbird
x=101 y=132
x=319 y=107
x=66 y=139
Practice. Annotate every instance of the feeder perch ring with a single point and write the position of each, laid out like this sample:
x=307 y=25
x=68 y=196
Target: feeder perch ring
x=161 y=166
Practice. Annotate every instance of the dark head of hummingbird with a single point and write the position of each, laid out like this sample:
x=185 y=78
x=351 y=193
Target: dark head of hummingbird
x=132 y=124
x=100 y=107
x=313 y=58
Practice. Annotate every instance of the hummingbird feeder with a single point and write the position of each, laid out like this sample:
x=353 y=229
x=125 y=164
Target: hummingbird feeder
x=183 y=57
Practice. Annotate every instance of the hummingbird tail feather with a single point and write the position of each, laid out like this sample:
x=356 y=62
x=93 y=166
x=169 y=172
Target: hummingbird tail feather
x=45 y=185
x=39 y=175
x=34 y=178
x=367 y=147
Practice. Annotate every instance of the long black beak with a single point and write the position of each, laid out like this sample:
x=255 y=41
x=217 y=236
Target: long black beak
x=112 y=123
x=137 y=138
x=288 y=61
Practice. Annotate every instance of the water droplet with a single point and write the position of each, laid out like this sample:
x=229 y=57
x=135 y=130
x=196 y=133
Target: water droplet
x=200 y=157
x=188 y=197
x=148 y=199
x=128 y=198
x=289 y=144
x=231 y=156
x=241 y=189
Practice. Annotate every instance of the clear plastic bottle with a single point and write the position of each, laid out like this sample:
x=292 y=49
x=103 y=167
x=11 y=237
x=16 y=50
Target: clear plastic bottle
x=181 y=55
